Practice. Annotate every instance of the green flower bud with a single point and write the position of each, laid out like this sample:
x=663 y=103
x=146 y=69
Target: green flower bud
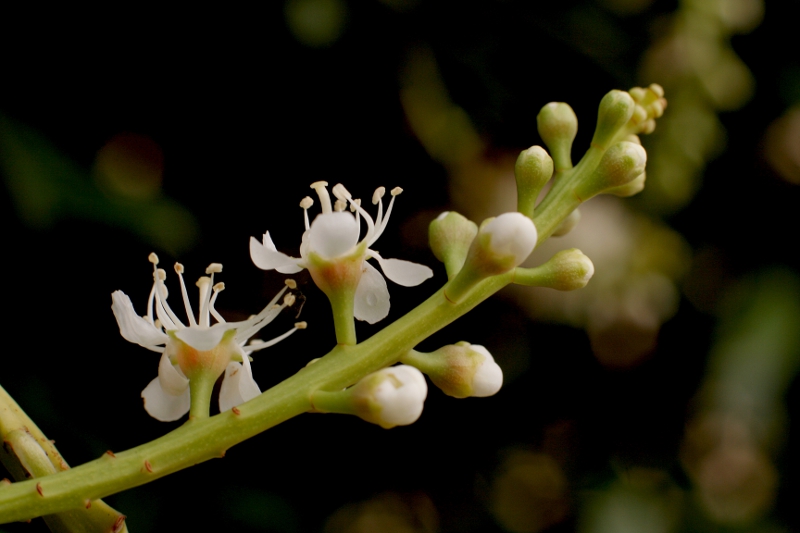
x=533 y=170
x=450 y=236
x=616 y=109
x=566 y=271
x=629 y=189
x=558 y=126
x=621 y=164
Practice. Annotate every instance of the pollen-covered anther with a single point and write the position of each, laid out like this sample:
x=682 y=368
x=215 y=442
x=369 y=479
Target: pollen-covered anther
x=162 y=274
x=340 y=205
x=340 y=192
x=301 y=325
x=255 y=342
x=214 y=268
x=288 y=300
x=178 y=268
x=396 y=191
x=354 y=204
x=292 y=284
x=218 y=287
x=378 y=194
x=153 y=258
x=306 y=202
x=317 y=184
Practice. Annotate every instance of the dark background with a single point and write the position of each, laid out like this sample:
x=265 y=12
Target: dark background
x=247 y=116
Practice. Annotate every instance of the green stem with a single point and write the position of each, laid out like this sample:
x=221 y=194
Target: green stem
x=343 y=321
x=201 y=439
x=201 y=387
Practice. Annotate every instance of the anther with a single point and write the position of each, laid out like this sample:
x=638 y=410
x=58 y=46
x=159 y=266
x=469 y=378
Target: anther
x=288 y=300
x=178 y=268
x=158 y=324
x=148 y=466
x=214 y=268
x=236 y=411
x=39 y=489
x=306 y=202
x=355 y=203
x=153 y=258
x=396 y=191
x=218 y=287
x=318 y=184
x=378 y=194
x=162 y=274
x=340 y=205
x=301 y=325
x=340 y=192
x=292 y=284
x=110 y=453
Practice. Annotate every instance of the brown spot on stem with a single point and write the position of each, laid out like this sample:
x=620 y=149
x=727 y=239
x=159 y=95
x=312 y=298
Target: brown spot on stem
x=88 y=504
x=39 y=489
x=110 y=453
x=5 y=481
x=118 y=523
x=148 y=466
x=236 y=411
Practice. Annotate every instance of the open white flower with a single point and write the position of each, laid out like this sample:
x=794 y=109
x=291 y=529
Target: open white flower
x=334 y=237
x=196 y=347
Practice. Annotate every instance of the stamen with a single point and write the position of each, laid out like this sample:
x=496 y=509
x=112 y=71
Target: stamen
x=378 y=194
x=150 y=301
x=186 y=304
x=288 y=300
x=214 y=268
x=341 y=192
x=396 y=191
x=305 y=203
x=292 y=284
x=219 y=287
x=324 y=197
x=158 y=324
x=153 y=258
x=204 y=284
x=261 y=319
x=356 y=202
x=340 y=205
x=385 y=220
x=162 y=274
x=301 y=325
x=273 y=342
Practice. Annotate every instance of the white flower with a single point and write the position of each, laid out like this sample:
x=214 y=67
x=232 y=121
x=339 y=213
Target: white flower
x=198 y=346
x=334 y=236
x=512 y=237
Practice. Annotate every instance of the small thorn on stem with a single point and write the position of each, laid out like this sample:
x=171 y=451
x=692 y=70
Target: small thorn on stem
x=5 y=481
x=39 y=489
x=148 y=466
x=110 y=453
x=236 y=410
x=88 y=504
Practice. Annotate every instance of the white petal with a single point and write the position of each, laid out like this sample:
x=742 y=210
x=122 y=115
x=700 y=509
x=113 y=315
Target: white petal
x=401 y=404
x=132 y=327
x=238 y=386
x=162 y=405
x=266 y=257
x=372 y=296
x=404 y=273
x=488 y=377
x=512 y=235
x=333 y=234
x=172 y=380
x=204 y=339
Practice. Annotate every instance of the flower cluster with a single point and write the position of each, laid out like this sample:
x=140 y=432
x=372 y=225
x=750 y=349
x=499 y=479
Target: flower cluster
x=197 y=349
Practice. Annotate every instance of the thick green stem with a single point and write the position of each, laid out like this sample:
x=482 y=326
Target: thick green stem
x=343 y=320
x=200 y=440
x=201 y=386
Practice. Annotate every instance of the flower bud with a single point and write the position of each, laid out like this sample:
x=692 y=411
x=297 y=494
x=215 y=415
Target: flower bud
x=506 y=241
x=450 y=236
x=621 y=164
x=391 y=397
x=566 y=271
x=616 y=109
x=460 y=370
x=533 y=170
x=558 y=126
